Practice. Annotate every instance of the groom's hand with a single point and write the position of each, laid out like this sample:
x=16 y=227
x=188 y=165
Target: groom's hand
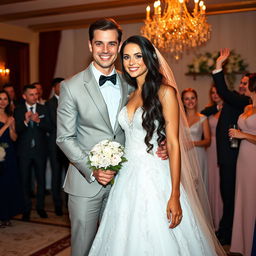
x=162 y=151
x=103 y=176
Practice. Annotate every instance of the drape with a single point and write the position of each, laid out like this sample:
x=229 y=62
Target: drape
x=48 y=54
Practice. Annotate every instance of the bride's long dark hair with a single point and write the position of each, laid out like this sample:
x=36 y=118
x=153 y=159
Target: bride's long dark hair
x=152 y=118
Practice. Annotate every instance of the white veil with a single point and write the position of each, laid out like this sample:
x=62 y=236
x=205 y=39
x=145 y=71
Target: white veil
x=191 y=178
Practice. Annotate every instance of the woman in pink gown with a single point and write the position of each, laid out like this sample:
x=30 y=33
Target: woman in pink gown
x=245 y=203
x=213 y=169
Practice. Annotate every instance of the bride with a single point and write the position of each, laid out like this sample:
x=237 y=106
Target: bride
x=154 y=205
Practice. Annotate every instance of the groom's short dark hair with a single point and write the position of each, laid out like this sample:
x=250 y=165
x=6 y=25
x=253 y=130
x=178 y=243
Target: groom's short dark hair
x=105 y=24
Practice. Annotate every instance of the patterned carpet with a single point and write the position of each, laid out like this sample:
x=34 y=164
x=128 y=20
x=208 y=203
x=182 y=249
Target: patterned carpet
x=33 y=239
x=39 y=237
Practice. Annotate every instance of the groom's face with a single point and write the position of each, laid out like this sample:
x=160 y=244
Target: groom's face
x=104 y=48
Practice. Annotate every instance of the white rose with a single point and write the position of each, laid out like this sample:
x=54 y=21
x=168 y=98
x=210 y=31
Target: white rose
x=116 y=160
x=115 y=144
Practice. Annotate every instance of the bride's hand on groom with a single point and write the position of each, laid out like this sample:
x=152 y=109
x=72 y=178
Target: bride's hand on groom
x=162 y=151
x=103 y=176
x=174 y=212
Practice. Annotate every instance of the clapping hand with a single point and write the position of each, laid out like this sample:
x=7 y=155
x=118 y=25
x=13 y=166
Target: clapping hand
x=10 y=121
x=224 y=54
x=35 y=117
x=28 y=115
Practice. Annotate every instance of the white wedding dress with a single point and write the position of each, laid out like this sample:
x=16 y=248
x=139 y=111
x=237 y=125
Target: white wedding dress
x=134 y=222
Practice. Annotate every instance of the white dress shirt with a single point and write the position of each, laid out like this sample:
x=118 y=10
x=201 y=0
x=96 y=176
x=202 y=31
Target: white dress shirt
x=29 y=107
x=111 y=94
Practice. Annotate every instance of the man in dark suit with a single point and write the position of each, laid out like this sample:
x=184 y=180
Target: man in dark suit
x=32 y=123
x=234 y=103
x=58 y=160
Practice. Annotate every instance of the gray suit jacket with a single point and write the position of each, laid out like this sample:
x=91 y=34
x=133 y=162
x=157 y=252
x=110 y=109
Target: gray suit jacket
x=82 y=122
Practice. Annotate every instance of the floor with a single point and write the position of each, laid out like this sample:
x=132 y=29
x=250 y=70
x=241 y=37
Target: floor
x=39 y=237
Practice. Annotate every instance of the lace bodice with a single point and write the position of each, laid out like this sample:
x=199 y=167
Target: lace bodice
x=134 y=132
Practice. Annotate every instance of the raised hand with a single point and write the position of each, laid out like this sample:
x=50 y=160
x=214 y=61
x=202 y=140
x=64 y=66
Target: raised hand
x=224 y=54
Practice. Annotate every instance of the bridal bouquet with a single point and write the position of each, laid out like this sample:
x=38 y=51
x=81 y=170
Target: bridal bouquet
x=107 y=155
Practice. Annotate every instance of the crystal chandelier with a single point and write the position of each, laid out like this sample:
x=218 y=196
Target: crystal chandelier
x=175 y=29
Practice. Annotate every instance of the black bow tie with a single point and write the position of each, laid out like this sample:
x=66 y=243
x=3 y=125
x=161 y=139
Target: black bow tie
x=103 y=79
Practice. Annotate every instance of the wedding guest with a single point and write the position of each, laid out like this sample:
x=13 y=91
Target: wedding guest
x=32 y=123
x=245 y=203
x=213 y=168
x=233 y=106
x=12 y=95
x=10 y=189
x=199 y=129
x=59 y=162
x=40 y=92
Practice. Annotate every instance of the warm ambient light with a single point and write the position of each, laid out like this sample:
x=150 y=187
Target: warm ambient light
x=4 y=71
x=176 y=29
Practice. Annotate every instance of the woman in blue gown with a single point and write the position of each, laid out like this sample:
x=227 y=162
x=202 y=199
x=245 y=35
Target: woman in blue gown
x=10 y=190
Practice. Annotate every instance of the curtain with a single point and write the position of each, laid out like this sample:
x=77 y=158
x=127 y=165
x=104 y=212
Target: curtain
x=48 y=53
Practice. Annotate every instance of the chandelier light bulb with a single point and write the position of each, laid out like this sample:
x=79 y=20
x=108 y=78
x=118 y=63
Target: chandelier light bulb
x=176 y=29
x=156 y=4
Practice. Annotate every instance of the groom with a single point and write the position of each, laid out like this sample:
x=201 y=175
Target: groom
x=89 y=103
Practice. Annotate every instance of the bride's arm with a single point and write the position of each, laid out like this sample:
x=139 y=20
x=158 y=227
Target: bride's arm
x=168 y=99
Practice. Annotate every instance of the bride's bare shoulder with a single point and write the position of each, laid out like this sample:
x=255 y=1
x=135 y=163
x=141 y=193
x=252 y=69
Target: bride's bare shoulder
x=166 y=91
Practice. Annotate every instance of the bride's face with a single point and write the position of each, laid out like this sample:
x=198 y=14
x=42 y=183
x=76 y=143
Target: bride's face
x=133 y=61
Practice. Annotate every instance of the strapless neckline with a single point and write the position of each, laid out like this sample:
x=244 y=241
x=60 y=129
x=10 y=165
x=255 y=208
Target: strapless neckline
x=131 y=119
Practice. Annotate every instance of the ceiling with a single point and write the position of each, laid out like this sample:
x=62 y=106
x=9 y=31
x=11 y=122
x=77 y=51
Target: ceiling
x=47 y=15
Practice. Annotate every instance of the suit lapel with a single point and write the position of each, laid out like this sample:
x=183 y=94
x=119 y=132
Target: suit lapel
x=38 y=109
x=93 y=89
